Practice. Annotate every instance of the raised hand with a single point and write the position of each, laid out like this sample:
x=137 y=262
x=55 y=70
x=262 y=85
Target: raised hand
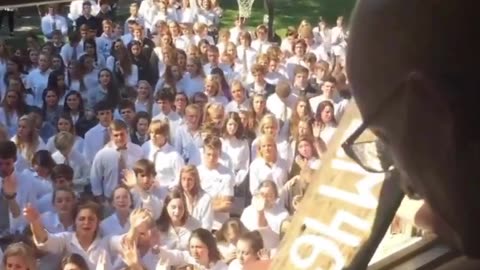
x=31 y=214
x=291 y=182
x=129 y=253
x=301 y=162
x=317 y=129
x=259 y=202
x=264 y=254
x=129 y=178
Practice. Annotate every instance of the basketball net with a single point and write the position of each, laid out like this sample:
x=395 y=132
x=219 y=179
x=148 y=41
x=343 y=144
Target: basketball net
x=245 y=8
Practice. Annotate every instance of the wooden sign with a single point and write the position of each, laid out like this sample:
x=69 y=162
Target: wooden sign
x=337 y=212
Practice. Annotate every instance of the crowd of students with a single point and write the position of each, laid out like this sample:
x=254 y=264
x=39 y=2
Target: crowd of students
x=163 y=141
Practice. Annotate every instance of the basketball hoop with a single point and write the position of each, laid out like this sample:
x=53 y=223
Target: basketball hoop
x=245 y=8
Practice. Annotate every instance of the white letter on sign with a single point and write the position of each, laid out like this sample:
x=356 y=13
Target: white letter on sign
x=319 y=245
x=333 y=230
x=364 y=198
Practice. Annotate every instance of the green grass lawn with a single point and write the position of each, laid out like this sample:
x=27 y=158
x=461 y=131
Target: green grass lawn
x=290 y=12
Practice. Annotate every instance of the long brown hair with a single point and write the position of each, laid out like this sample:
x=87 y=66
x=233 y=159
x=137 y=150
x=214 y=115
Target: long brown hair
x=123 y=57
x=164 y=221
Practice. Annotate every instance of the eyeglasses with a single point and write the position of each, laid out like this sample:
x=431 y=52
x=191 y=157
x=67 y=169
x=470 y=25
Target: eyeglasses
x=372 y=155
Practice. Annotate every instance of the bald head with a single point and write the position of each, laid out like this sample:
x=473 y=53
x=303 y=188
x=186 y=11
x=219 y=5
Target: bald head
x=426 y=53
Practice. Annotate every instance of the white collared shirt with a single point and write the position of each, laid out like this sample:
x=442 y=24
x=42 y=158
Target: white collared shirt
x=93 y=141
x=178 y=238
x=67 y=243
x=239 y=153
x=37 y=80
x=234 y=106
x=151 y=200
x=274 y=216
x=202 y=209
x=260 y=171
x=218 y=182
x=47 y=24
x=187 y=144
x=25 y=195
x=191 y=85
x=40 y=185
x=111 y=226
x=80 y=166
x=168 y=163
x=104 y=173
x=52 y=224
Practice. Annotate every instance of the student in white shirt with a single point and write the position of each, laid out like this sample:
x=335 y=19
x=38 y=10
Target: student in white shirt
x=16 y=190
x=198 y=202
x=267 y=165
x=240 y=99
x=27 y=140
x=120 y=64
x=62 y=176
x=158 y=150
x=144 y=101
x=71 y=157
x=18 y=256
x=98 y=136
x=139 y=240
x=214 y=91
x=265 y=214
x=164 y=100
x=37 y=79
x=42 y=166
x=249 y=250
x=227 y=238
x=236 y=146
x=330 y=92
x=65 y=124
x=300 y=48
x=281 y=104
x=110 y=162
x=117 y=223
x=189 y=139
x=52 y=21
x=269 y=125
x=245 y=52
x=175 y=223
x=61 y=218
x=203 y=252
x=85 y=240
x=240 y=26
x=325 y=119
x=261 y=44
x=146 y=192
x=216 y=179
x=193 y=80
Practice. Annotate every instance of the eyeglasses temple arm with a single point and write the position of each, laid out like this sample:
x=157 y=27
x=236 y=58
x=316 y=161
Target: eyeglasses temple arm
x=391 y=196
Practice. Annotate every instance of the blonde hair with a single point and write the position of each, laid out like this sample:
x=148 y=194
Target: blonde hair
x=161 y=127
x=29 y=145
x=212 y=108
x=117 y=125
x=22 y=250
x=267 y=139
x=64 y=141
x=215 y=79
x=267 y=119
